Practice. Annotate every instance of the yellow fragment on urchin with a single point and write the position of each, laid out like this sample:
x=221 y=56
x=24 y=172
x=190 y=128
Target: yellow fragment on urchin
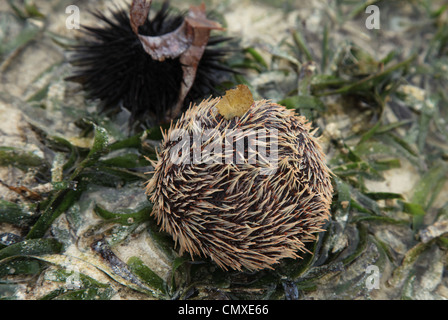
x=235 y=102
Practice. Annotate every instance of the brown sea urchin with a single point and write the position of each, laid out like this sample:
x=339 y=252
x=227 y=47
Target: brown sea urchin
x=245 y=191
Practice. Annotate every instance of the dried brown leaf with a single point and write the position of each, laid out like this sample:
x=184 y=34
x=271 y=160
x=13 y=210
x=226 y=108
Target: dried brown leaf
x=187 y=42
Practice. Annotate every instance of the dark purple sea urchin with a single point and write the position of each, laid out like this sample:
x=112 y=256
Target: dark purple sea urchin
x=112 y=66
x=242 y=207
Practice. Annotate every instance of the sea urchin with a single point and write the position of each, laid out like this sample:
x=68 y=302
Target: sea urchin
x=152 y=66
x=240 y=181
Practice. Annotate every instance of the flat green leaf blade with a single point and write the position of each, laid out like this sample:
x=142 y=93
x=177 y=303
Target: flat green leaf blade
x=303 y=102
x=122 y=217
x=31 y=248
x=16 y=214
x=60 y=203
x=146 y=274
x=100 y=146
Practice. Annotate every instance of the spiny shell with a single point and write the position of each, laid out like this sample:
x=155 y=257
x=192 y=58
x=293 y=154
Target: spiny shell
x=237 y=214
x=112 y=66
